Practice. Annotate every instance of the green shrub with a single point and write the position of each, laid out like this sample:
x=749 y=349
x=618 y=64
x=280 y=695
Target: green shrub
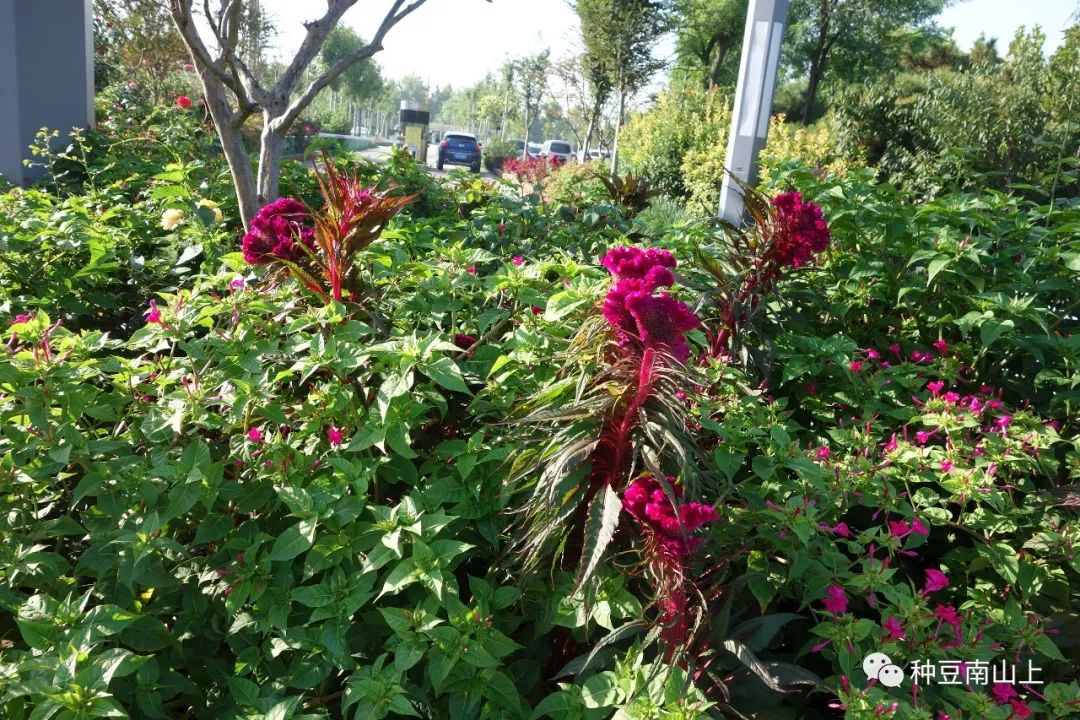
x=496 y=152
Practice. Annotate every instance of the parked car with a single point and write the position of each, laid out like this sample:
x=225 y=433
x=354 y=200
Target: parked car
x=534 y=149
x=519 y=145
x=594 y=154
x=557 y=149
x=459 y=148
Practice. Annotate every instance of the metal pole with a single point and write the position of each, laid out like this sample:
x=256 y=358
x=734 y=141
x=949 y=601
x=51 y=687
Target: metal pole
x=765 y=21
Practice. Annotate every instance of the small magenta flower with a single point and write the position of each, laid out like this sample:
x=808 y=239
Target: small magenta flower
x=840 y=529
x=23 y=319
x=183 y=102
x=946 y=466
x=255 y=435
x=923 y=436
x=948 y=615
x=502 y=228
x=935 y=580
x=951 y=398
x=335 y=436
x=1002 y=422
x=823 y=453
x=893 y=629
x=1003 y=693
x=891 y=445
x=837 y=601
x=872 y=354
x=941 y=346
x=471 y=269
x=919 y=528
x=895 y=349
x=518 y=260
x=899 y=529
x=935 y=387
x=237 y=283
x=856 y=366
x=1020 y=710
x=153 y=315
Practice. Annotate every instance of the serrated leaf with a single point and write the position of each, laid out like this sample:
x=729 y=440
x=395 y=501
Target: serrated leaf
x=599 y=530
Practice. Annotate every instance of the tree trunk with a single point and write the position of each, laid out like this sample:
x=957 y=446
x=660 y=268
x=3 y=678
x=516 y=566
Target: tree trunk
x=618 y=131
x=270 y=152
x=811 y=88
x=718 y=62
x=232 y=144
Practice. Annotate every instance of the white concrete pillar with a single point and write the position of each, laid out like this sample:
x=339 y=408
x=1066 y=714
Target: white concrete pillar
x=46 y=76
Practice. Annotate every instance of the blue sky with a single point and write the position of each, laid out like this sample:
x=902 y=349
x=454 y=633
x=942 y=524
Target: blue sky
x=456 y=41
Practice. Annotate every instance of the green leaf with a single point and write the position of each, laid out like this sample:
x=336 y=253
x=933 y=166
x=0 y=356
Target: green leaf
x=599 y=530
x=294 y=541
x=445 y=371
x=936 y=266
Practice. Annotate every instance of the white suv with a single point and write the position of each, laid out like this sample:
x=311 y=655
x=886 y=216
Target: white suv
x=557 y=149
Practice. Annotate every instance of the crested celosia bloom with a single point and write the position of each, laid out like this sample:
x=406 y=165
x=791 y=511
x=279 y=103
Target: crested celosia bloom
x=276 y=232
x=649 y=504
x=639 y=316
x=801 y=231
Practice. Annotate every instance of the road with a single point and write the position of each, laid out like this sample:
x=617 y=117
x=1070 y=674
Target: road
x=380 y=153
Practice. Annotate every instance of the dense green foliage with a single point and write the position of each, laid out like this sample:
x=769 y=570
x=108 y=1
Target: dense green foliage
x=224 y=496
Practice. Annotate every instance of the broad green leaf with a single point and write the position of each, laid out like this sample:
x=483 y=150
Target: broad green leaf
x=294 y=541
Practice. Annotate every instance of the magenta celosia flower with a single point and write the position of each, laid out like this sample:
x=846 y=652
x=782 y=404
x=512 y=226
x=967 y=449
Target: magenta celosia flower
x=153 y=315
x=277 y=232
x=464 y=341
x=856 y=366
x=800 y=230
x=1003 y=693
x=255 y=435
x=649 y=504
x=837 y=601
x=632 y=262
x=335 y=436
x=893 y=629
x=662 y=322
x=935 y=580
x=518 y=260
x=941 y=346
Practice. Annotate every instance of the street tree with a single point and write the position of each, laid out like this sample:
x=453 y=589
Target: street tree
x=234 y=91
x=619 y=37
x=851 y=37
x=708 y=38
x=532 y=79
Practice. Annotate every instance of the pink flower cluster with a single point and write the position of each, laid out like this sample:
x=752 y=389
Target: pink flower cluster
x=801 y=231
x=647 y=502
x=276 y=231
x=638 y=315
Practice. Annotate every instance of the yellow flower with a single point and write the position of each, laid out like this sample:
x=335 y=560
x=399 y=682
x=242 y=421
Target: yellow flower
x=211 y=205
x=172 y=218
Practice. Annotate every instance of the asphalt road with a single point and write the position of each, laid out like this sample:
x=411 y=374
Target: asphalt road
x=380 y=154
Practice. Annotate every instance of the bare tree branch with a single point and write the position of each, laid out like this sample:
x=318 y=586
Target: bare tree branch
x=185 y=25
x=393 y=17
x=313 y=40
